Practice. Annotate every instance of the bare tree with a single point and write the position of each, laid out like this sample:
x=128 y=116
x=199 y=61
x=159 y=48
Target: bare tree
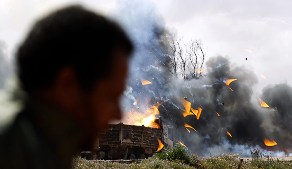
x=185 y=58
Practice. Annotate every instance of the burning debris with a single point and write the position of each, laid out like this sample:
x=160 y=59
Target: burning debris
x=270 y=143
x=182 y=144
x=187 y=126
x=263 y=104
x=187 y=106
x=160 y=145
x=228 y=82
x=189 y=111
x=197 y=112
x=145 y=82
x=229 y=134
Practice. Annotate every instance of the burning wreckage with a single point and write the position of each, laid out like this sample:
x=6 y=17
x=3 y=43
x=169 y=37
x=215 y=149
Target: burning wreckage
x=122 y=141
x=141 y=140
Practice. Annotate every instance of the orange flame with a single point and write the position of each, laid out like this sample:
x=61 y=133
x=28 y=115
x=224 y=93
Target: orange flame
x=189 y=126
x=154 y=125
x=270 y=143
x=229 y=81
x=263 y=104
x=229 y=134
x=187 y=106
x=185 y=113
x=182 y=144
x=145 y=82
x=218 y=114
x=197 y=112
x=160 y=145
x=147 y=119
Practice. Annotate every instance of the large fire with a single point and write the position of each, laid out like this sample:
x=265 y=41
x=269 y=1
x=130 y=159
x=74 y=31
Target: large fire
x=270 y=143
x=147 y=119
x=160 y=145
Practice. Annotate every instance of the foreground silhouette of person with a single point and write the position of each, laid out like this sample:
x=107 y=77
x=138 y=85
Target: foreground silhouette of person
x=71 y=68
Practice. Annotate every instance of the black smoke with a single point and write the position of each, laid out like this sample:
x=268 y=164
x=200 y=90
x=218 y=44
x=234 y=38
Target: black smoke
x=238 y=106
x=280 y=128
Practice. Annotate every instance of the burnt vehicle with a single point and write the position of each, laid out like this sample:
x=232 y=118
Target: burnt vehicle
x=122 y=141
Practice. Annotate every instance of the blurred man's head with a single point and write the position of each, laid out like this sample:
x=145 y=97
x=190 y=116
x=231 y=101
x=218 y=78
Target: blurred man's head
x=76 y=61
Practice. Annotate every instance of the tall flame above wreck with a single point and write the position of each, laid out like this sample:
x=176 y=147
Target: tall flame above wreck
x=147 y=118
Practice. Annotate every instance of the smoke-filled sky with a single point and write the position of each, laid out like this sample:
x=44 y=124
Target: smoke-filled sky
x=260 y=31
x=254 y=38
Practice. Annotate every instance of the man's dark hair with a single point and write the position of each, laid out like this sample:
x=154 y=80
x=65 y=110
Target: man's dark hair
x=73 y=37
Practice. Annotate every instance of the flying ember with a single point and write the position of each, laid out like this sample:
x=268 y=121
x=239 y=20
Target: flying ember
x=229 y=134
x=263 y=104
x=160 y=145
x=188 y=130
x=145 y=82
x=229 y=81
x=182 y=144
x=187 y=106
x=189 y=126
x=197 y=112
x=270 y=143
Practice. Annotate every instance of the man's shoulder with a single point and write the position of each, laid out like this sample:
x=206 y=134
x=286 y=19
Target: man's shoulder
x=13 y=144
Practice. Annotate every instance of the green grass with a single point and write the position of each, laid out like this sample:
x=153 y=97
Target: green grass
x=219 y=162
x=179 y=158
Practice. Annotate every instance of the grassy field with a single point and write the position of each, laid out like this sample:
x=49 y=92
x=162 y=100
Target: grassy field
x=179 y=158
x=220 y=162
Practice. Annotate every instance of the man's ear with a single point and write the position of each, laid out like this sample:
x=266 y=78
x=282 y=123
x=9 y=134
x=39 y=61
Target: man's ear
x=67 y=89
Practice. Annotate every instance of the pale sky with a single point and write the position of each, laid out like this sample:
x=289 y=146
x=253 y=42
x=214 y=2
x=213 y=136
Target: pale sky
x=259 y=30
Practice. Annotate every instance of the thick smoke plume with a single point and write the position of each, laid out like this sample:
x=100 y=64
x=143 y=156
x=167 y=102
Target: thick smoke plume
x=234 y=109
